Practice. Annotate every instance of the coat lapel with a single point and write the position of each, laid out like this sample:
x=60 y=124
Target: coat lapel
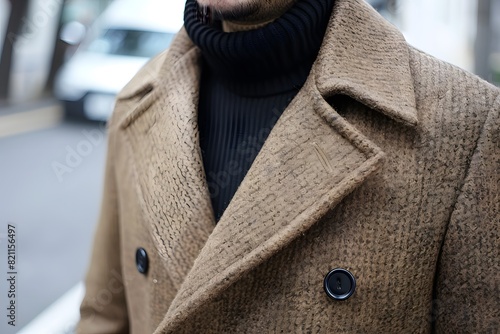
x=162 y=137
x=311 y=160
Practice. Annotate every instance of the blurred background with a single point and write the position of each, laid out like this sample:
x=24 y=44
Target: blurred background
x=61 y=64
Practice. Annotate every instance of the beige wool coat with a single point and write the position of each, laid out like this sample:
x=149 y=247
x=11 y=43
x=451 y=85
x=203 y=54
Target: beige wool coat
x=386 y=164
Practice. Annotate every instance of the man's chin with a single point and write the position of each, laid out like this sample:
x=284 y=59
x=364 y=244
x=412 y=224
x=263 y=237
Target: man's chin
x=231 y=10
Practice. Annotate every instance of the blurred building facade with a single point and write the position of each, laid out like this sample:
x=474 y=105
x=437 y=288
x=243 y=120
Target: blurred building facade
x=444 y=28
x=487 y=60
x=463 y=32
x=34 y=47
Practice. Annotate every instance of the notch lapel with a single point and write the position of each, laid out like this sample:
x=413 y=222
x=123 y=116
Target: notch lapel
x=310 y=161
x=162 y=139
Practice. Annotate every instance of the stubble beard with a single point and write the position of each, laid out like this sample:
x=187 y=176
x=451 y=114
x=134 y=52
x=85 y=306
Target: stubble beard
x=239 y=11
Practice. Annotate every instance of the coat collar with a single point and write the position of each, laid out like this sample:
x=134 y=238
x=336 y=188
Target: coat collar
x=365 y=57
x=310 y=161
x=362 y=56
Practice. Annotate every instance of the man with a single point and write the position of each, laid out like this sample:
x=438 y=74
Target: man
x=298 y=168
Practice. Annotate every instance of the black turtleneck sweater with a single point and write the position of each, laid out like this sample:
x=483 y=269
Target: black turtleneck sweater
x=248 y=79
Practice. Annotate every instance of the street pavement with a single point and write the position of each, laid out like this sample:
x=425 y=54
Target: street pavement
x=50 y=190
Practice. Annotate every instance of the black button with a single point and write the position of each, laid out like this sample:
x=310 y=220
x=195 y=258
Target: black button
x=141 y=260
x=339 y=284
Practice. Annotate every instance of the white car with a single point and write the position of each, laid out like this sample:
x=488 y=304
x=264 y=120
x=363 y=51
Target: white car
x=123 y=39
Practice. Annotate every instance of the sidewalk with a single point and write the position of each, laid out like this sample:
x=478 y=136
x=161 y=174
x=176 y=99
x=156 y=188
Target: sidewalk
x=29 y=116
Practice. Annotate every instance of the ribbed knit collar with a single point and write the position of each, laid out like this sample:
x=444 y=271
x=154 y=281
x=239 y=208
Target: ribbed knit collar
x=270 y=60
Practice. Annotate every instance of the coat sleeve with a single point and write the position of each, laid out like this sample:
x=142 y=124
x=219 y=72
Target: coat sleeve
x=467 y=295
x=104 y=308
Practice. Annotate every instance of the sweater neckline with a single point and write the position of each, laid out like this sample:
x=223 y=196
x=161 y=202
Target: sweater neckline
x=271 y=60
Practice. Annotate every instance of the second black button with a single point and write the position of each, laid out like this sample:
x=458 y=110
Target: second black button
x=141 y=260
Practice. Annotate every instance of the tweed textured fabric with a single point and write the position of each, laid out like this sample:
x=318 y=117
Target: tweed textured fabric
x=386 y=164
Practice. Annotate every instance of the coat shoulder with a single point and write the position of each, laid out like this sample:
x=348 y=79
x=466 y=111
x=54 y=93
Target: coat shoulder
x=149 y=77
x=451 y=102
x=136 y=90
x=435 y=80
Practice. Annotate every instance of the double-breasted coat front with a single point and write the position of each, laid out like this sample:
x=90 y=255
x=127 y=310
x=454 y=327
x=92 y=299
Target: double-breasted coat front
x=386 y=165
